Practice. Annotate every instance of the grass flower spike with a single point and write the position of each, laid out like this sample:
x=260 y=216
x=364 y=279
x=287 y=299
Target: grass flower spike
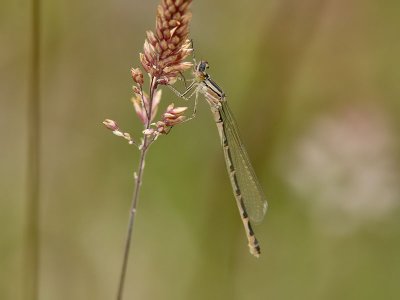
x=171 y=117
x=166 y=49
x=141 y=103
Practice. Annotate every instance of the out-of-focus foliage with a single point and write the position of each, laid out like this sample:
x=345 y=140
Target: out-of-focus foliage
x=315 y=89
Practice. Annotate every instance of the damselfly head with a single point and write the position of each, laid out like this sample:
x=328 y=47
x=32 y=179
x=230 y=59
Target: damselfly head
x=202 y=66
x=199 y=72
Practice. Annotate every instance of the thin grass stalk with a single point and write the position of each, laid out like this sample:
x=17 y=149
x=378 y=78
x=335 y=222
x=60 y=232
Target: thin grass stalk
x=31 y=267
x=135 y=198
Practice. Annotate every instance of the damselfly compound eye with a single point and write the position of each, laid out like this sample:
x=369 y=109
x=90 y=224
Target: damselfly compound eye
x=203 y=65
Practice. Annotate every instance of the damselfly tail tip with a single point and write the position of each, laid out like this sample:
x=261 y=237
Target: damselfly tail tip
x=255 y=250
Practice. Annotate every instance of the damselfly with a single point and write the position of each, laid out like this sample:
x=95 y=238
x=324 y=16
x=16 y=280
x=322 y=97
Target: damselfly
x=248 y=193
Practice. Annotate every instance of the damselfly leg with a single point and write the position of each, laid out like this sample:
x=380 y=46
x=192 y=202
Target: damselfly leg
x=194 y=92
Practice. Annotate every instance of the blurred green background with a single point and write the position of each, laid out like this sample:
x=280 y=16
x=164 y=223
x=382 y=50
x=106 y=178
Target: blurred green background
x=315 y=89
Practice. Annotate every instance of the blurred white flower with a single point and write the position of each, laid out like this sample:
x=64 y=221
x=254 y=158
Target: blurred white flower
x=346 y=165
